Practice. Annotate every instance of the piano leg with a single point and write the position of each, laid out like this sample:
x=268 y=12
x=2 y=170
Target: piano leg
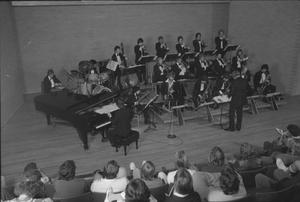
x=48 y=116
x=83 y=137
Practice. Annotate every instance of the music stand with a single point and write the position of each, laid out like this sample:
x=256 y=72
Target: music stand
x=221 y=100
x=149 y=106
x=231 y=48
x=146 y=58
x=171 y=57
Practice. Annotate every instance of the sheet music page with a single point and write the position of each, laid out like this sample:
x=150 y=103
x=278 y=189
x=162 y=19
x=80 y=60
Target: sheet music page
x=222 y=99
x=112 y=65
x=107 y=108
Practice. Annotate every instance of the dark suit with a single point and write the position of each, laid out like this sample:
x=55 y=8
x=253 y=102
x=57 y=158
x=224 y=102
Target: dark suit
x=218 y=70
x=121 y=126
x=117 y=73
x=177 y=70
x=220 y=45
x=198 y=46
x=181 y=51
x=200 y=70
x=197 y=91
x=177 y=97
x=238 y=99
x=138 y=54
x=160 y=51
x=157 y=74
x=47 y=84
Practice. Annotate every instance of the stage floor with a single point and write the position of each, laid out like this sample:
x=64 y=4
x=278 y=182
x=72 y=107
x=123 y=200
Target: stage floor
x=26 y=138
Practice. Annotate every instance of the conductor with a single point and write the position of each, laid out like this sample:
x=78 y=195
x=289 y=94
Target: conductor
x=238 y=99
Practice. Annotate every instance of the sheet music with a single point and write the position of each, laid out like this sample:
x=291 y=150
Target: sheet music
x=107 y=108
x=112 y=65
x=222 y=99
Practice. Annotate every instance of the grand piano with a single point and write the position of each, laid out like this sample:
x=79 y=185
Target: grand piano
x=78 y=110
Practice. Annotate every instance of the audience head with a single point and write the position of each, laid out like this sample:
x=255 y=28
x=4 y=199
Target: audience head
x=33 y=189
x=67 y=170
x=294 y=130
x=181 y=160
x=117 y=49
x=216 y=156
x=137 y=191
x=198 y=36
x=111 y=170
x=32 y=175
x=161 y=39
x=180 y=39
x=147 y=170
x=265 y=68
x=140 y=41
x=247 y=151
x=183 y=182
x=229 y=181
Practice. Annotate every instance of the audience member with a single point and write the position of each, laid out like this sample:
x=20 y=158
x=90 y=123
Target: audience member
x=32 y=191
x=67 y=185
x=183 y=190
x=110 y=179
x=147 y=173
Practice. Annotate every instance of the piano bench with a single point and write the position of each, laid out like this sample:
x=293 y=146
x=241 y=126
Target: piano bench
x=133 y=137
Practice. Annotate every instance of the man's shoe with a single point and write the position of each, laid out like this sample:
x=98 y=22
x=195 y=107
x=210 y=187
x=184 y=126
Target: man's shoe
x=229 y=129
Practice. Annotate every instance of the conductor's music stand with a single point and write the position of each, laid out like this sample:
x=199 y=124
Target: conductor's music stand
x=178 y=108
x=150 y=107
x=146 y=58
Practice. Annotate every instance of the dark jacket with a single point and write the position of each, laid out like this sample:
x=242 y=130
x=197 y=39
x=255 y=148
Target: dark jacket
x=138 y=53
x=47 y=84
x=114 y=57
x=160 y=52
x=157 y=74
x=181 y=50
x=238 y=91
x=121 y=121
x=197 y=46
x=218 y=43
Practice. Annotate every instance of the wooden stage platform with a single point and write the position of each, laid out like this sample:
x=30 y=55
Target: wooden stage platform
x=26 y=138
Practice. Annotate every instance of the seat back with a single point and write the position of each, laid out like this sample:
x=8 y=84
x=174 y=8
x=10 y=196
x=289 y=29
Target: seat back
x=159 y=192
x=86 y=197
x=283 y=195
x=98 y=197
x=249 y=176
x=248 y=198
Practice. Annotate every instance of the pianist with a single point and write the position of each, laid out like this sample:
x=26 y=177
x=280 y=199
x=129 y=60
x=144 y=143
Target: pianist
x=50 y=82
x=121 y=125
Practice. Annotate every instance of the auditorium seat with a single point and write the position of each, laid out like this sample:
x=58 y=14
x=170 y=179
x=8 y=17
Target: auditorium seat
x=86 y=197
x=284 y=195
x=160 y=192
x=249 y=176
x=248 y=198
x=98 y=197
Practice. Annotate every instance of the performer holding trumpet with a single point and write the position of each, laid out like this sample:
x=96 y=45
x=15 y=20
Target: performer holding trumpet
x=161 y=48
x=140 y=50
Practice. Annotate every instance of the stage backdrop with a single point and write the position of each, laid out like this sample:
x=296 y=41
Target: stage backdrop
x=270 y=33
x=60 y=36
x=12 y=85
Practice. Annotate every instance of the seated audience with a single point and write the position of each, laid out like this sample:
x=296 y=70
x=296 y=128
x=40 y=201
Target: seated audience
x=50 y=81
x=231 y=187
x=147 y=173
x=262 y=81
x=136 y=191
x=110 y=179
x=182 y=190
x=31 y=191
x=67 y=185
x=181 y=69
x=288 y=141
x=181 y=162
x=282 y=177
